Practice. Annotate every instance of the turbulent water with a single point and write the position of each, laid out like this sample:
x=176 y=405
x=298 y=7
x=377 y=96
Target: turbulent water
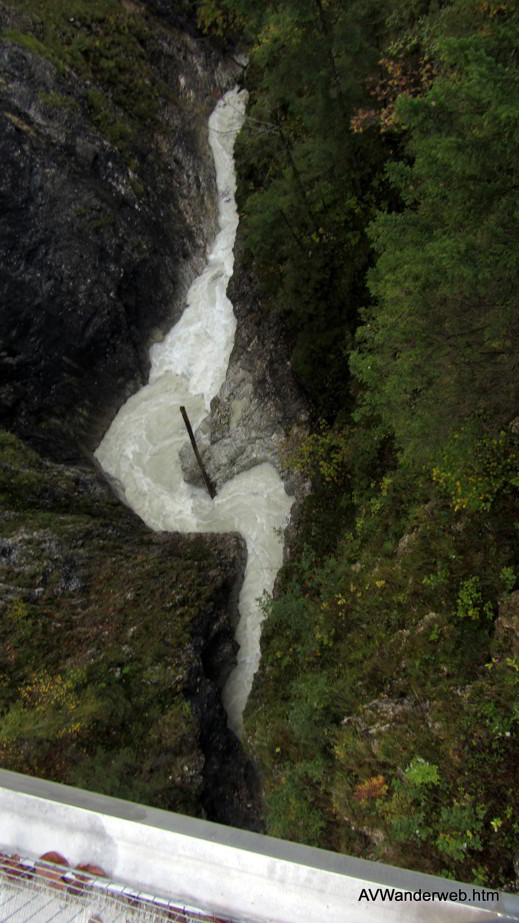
x=141 y=448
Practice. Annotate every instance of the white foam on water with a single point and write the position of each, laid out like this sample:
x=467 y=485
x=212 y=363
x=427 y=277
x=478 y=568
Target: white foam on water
x=141 y=448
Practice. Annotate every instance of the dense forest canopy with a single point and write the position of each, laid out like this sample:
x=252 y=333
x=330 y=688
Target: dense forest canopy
x=378 y=190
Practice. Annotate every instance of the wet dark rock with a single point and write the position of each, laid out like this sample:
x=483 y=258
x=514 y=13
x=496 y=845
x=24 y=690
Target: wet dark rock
x=259 y=405
x=231 y=792
x=149 y=620
x=97 y=247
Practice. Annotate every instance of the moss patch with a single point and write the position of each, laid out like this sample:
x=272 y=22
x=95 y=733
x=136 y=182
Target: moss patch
x=108 y=48
x=385 y=712
x=95 y=637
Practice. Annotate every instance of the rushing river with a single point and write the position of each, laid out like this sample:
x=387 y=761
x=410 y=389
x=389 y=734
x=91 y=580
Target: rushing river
x=140 y=450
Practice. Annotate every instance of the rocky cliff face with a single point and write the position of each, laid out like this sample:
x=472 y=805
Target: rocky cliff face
x=114 y=642
x=259 y=406
x=107 y=201
x=108 y=634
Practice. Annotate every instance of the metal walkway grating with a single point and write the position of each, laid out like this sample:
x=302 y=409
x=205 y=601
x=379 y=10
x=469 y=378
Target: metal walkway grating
x=42 y=892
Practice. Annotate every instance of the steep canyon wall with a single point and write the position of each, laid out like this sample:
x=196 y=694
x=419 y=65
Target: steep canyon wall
x=107 y=203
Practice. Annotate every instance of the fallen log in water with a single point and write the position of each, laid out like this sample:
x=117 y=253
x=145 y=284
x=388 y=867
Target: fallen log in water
x=207 y=480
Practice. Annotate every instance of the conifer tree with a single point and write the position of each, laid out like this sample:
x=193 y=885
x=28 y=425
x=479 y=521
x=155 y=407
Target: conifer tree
x=440 y=343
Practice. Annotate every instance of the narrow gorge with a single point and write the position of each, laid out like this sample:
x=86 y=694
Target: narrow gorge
x=108 y=211
x=141 y=451
x=355 y=374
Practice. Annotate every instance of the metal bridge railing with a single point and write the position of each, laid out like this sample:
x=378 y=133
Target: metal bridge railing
x=164 y=866
x=45 y=892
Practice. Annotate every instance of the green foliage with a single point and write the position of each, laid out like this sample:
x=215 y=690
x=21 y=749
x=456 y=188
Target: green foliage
x=508 y=579
x=50 y=707
x=379 y=644
x=86 y=698
x=307 y=187
x=470 y=601
x=116 y=131
x=461 y=827
x=325 y=695
x=438 y=347
x=59 y=101
x=217 y=18
x=475 y=470
x=26 y=40
x=312 y=702
x=101 y=43
x=293 y=812
x=420 y=772
x=323 y=454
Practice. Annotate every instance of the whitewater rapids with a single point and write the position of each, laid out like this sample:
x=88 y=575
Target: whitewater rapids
x=140 y=451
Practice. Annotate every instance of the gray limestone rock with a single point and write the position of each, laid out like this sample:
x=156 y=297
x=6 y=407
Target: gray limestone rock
x=259 y=403
x=97 y=246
